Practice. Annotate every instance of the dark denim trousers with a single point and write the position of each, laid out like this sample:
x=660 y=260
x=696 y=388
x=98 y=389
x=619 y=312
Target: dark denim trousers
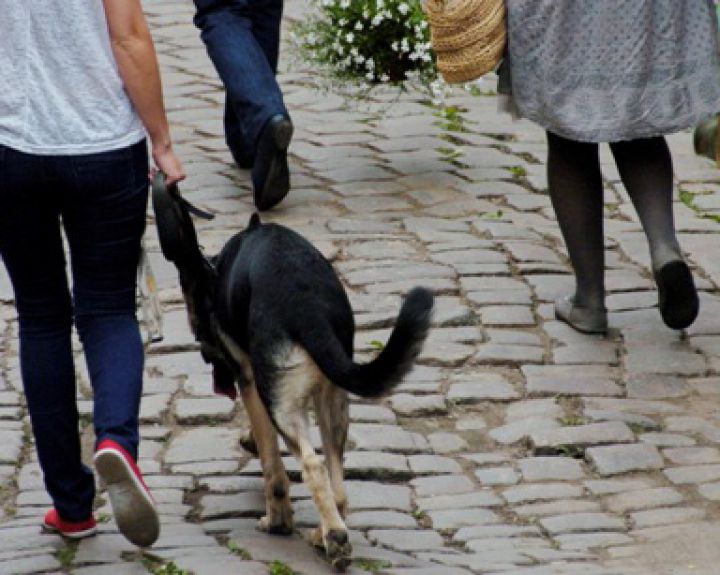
x=243 y=39
x=100 y=201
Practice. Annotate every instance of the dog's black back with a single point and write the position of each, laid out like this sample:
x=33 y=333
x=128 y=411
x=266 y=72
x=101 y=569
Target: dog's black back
x=275 y=286
x=275 y=290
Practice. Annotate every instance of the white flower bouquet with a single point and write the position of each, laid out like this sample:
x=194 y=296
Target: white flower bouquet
x=369 y=42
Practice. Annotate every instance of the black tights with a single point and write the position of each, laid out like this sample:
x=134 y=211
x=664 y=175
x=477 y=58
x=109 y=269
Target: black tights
x=576 y=191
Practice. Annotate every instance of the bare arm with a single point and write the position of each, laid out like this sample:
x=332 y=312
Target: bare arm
x=135 y=55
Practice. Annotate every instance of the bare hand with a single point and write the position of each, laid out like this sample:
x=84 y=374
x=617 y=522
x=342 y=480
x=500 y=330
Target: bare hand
x=167 y=162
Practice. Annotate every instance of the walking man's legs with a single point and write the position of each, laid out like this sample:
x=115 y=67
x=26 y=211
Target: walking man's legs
x=242 y=39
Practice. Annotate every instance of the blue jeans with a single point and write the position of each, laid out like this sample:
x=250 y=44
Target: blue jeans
x=101 y=200
x=243 y=40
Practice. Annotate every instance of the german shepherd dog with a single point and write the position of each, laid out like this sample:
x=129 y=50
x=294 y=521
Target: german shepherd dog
x=272 y=317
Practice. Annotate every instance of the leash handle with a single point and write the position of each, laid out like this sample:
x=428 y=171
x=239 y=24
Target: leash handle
x=159 y=184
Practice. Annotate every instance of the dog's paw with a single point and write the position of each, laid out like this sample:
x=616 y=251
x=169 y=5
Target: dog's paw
x=316 y=538
x=338 y=549
x=281 y=528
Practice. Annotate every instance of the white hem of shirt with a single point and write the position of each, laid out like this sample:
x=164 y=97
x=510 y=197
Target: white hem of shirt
x=74 y=149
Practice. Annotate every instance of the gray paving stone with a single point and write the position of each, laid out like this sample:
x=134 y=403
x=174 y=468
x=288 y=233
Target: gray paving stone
x=497 y=476
x=495 y=354
x=502 y=354
x=692 y=455
x=557 y=507
x=611 y=486
x=441 y=485
x=422 y=464
x=581 y=435
x=582 y=522
x=515 y=431
x=37 y=564
x=710 y=491
x=645 y=499
x=615 y=459
x=443 y=442
x=592 y=540
x=10 y=446
x=371 y=413
x=374 y=437
x=550 y=469
x=363 y=495
x=494 y=531
x=540 y=491
x=538 y=386
x=376 y=465
x=667 y=439
x=693 y=474
x=469 y=500
x=203 y=444
x=476 y=387
x=507 y=316
x=666 y=516
x=406 y=404
x=402 y=540
x=455 y=518
x=381 y=520
x=655 y=386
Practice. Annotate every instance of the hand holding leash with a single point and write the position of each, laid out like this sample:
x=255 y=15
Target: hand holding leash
x=167 y=163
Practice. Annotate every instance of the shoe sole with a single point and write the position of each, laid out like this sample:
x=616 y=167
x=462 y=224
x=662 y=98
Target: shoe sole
x=591 y=328
x=677 y=297
x=134 y=510
x=74 y=535
x=277 y=181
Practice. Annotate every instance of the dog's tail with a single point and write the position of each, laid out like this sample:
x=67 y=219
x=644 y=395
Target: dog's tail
x=383 y=373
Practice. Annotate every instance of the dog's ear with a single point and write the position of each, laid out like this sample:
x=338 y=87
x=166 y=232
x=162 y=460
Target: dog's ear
x=254 y=221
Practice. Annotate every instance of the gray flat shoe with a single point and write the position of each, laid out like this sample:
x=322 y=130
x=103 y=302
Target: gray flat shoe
x=583 y=319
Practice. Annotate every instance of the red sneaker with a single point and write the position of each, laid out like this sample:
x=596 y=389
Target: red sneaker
x=131 y=501
x=53 y=523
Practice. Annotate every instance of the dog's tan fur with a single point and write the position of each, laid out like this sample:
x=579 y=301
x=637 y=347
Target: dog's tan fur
x=299 y=383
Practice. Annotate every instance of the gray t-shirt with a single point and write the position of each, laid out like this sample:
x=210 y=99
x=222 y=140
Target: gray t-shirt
x=60 y=91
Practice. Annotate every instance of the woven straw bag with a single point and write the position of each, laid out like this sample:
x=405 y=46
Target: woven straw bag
x=468 y=37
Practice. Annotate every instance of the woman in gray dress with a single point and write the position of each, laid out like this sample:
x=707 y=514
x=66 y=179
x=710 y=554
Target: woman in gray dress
x=625 y=72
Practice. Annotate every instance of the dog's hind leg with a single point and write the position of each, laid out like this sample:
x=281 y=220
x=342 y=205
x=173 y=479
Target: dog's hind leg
x=278 y=519
x=295 y=386
x=332 y=413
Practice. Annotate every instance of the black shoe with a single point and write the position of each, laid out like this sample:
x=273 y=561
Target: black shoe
x=677 y=297
x=270 y=174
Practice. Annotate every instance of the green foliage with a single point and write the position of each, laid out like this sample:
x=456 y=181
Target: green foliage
x=279 y=568
x=573 y=420
x=450 y=154
x=235 y=549
x=376 y=344
x=66 y=555
x=163 y=568
x=451 y=119
x=371 y=565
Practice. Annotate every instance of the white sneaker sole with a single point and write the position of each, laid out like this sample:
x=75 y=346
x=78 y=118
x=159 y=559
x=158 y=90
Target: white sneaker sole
x=74 y=535
x=134 y=510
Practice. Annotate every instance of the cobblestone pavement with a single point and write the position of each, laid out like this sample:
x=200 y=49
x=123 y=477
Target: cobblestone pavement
x=518 y=446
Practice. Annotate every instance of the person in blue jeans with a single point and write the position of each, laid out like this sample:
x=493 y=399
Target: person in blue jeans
x=243 y=41
x=80 y=95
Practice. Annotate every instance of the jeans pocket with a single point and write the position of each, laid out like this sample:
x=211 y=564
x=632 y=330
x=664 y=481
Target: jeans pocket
x=116 y=169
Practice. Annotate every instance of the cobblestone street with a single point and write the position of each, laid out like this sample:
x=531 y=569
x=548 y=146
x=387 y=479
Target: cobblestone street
x=517 y=446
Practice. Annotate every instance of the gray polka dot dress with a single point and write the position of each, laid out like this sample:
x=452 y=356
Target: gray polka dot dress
x=611 y=70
